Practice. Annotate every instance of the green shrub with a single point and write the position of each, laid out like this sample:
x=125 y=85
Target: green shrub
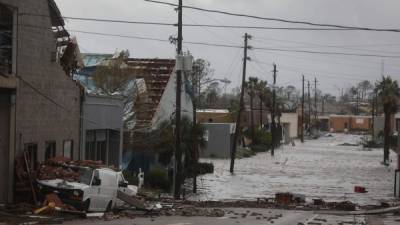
x=158 y=178
x=261 y=137
x=244 y=153
x=265 y=139
x=260 y=148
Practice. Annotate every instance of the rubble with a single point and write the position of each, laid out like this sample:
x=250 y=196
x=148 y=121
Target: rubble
x=64 y=168
x=189 y=211
x=284 y=198
x=51 y=204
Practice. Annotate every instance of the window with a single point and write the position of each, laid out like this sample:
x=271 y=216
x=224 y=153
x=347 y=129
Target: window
x=68 y=149
x=31 y=150
x=96 y=145
x=6 y=40
x=50 y=150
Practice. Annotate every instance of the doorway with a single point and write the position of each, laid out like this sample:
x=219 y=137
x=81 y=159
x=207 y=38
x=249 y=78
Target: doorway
x=5 y=106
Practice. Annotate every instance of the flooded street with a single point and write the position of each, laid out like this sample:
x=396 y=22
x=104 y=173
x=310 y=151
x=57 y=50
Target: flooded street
x=318 y=169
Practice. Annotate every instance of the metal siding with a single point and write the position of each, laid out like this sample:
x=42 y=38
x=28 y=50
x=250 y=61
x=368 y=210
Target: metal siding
x=219 y=140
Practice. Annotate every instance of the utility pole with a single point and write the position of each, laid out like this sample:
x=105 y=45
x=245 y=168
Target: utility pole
x=273 y=114
x=302 y=113
x=241 y=103
x=309 y=107
x=358 y=102
x=178 y=150
x=315 y=103
x=373 y=118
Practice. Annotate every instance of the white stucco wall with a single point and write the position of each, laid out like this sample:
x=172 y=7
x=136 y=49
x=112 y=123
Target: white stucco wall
x=292 y=120
x=166 y=108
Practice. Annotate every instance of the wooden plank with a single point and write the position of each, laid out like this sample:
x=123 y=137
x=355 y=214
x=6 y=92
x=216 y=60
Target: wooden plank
x=131 y=200
x=28 y=170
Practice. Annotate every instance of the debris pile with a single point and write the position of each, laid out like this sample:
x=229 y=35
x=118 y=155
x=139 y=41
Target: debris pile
x=51 y=204
x=189 y=210
x=64 y=168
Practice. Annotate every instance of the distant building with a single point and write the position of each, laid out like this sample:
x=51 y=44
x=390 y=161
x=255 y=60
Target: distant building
x=39 y=102
x=289 y=120
x=323 y=123
x=214 y=116
x=341 y=123
x=148 y=100
x=102 y=130
x=219 y=140
x=154 y=105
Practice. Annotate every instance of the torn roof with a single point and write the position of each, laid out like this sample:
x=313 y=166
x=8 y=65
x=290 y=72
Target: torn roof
x=156 y=73
x=55 y=14
x=149 y=86
x=93 y=59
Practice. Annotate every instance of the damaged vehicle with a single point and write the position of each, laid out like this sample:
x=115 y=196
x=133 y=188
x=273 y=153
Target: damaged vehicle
x=93 y=189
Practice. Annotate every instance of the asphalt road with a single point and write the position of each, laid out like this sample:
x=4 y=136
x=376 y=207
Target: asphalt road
x=236 y=216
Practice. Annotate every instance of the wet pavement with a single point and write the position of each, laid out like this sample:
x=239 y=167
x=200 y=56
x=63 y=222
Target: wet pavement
x=239 y=216
x=318 y=169
x=250 y=216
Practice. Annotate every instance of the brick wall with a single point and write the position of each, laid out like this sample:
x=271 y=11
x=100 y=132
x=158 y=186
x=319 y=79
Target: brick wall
x=37 y=119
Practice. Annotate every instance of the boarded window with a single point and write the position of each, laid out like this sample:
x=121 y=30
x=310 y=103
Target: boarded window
x=68 y=149
x=50 y=150
x=6 y=28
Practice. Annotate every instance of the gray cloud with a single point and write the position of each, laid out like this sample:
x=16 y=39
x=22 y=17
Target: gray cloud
x=340 y=71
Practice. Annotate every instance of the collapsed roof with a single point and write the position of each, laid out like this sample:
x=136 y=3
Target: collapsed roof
x=156 y=75
x=142 y=93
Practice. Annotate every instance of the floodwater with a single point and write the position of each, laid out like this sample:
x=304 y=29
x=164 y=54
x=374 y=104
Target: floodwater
x=318 y=169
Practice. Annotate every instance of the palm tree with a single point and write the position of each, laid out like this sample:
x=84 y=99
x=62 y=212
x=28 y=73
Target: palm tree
x=262 y=92
x=251 y=88
x=388 y=92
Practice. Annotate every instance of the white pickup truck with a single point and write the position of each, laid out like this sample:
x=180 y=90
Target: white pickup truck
x=96 y=190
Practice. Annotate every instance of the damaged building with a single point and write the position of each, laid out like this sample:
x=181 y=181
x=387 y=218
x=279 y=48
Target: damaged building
x=151 y=108
x=39 y=101
x=149 y=99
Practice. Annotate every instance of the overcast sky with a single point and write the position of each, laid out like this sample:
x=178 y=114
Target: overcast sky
x=332 y=72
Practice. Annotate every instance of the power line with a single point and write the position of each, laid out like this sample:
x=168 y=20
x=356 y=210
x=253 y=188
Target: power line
x=42 y=94
x=120 y=35
x=313 y=59
x=102 y=20
x=328 y=45
x=311 y=45
x=227 y=46
x=321 y=73
x=236 y=46
x=276 y=19
x=61 y=106
x=197 y=25
x=155 y=39
x=267 y=28
x=325 y=53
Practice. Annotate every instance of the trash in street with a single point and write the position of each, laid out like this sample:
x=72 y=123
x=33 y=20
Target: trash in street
x=359 y=189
